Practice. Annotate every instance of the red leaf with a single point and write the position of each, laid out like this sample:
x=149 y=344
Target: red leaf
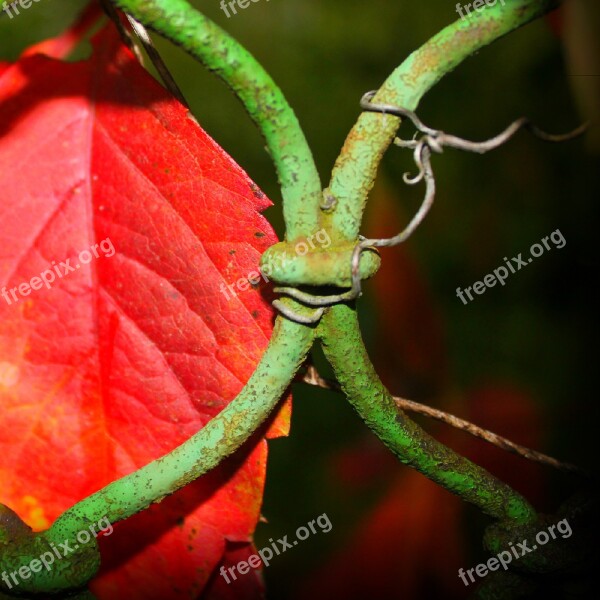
x=119 y=361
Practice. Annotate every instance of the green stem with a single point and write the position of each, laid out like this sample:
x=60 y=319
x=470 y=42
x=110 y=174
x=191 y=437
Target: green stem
x=356 y=167
x=185 y=26
x=219 y=438
x=343 y=347
x=129 y=495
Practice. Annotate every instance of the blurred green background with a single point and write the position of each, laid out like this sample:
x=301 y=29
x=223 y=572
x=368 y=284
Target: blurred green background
x=537 y=334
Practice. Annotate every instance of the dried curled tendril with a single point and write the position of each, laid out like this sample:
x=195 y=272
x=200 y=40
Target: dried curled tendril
x=432 y=140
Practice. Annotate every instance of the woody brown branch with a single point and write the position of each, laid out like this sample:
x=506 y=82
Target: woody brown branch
x=312 y=377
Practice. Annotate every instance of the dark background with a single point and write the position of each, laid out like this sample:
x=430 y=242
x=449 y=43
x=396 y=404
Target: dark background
x=519 y=359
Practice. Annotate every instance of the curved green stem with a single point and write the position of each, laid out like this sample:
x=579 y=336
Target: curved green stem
x=343 y=347
x=185 y=26
x=219 y=438
x=356 y=167
x=222 y=436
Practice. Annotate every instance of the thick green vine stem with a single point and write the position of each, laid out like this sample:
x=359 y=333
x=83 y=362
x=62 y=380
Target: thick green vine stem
x=343 y=347
x=123 y=498
x=185 y=26
x=356 y=167
x=319 y=266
